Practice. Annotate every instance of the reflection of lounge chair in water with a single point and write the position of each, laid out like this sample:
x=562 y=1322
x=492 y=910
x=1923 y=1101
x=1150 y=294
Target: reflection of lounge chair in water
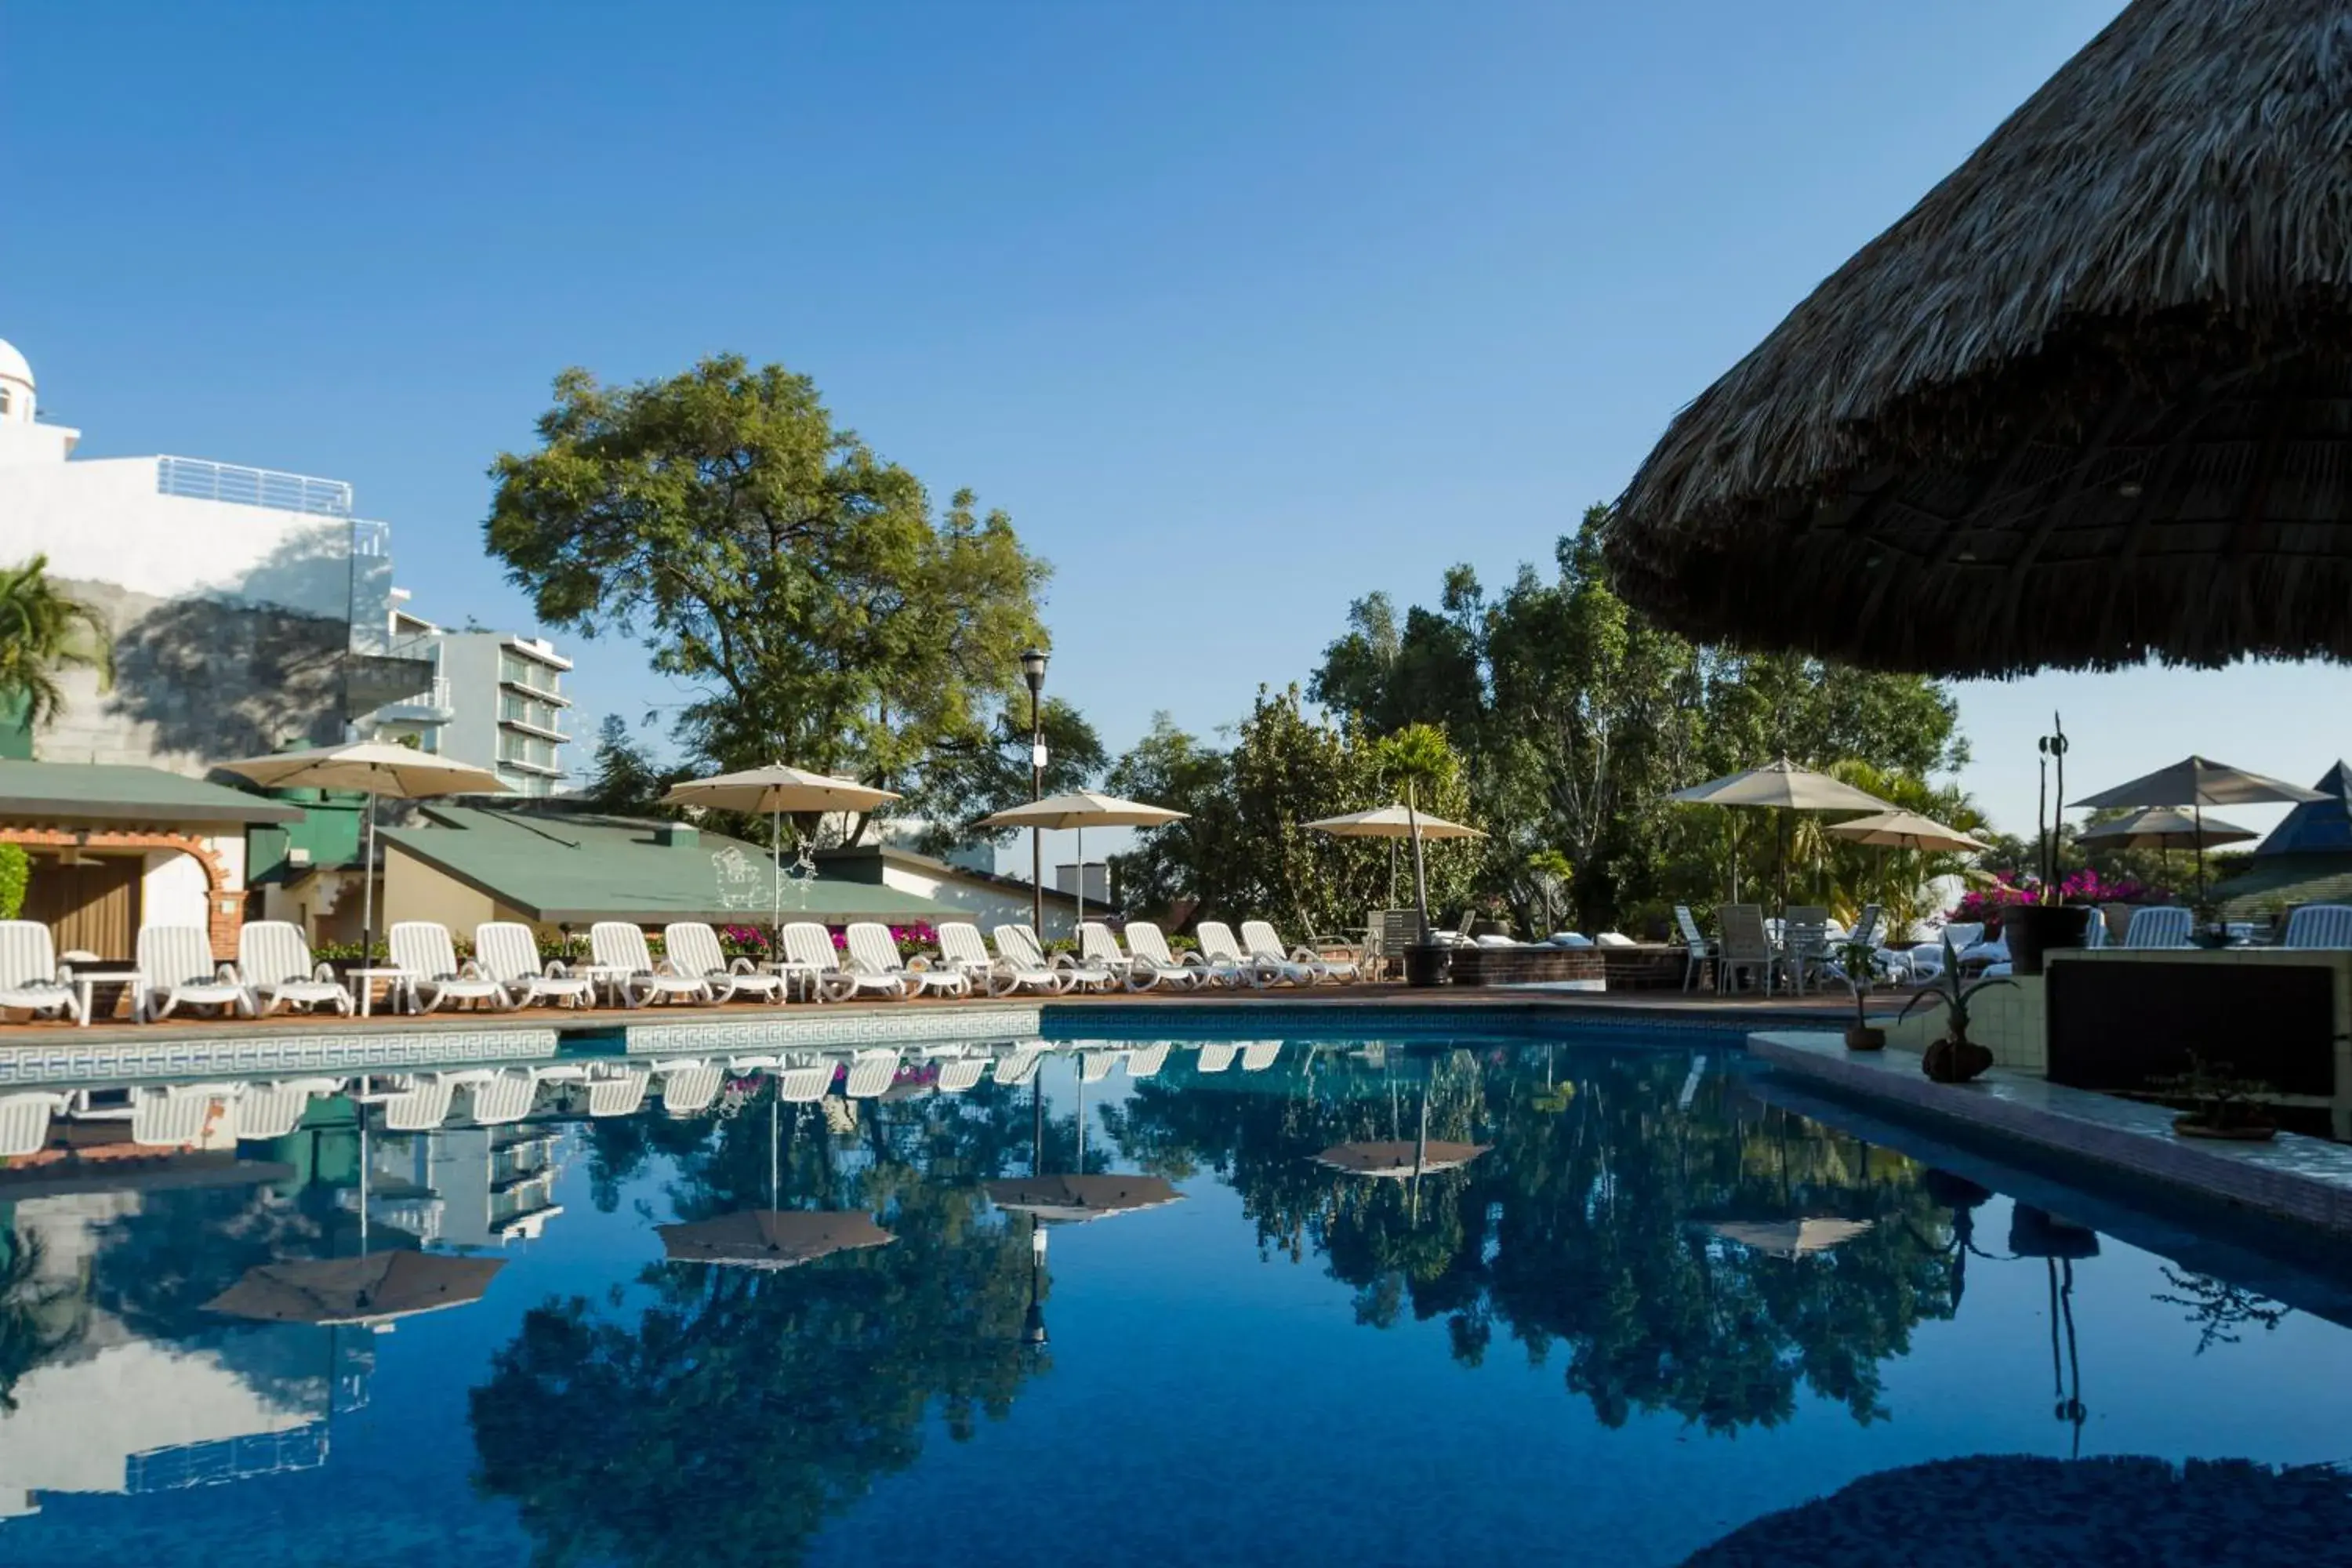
x=961 y=1073
x=1219 y=1055
x=504 y=1097
x=806 y=1084
x=267 y=1111
x=1019 y=1065
x=1259 y=1055
x=1094 y=1066
x=418 y=1104
x=871 y=1073
x=617 y=1093
x=1143 y=1063
x=25 y=1122
x=689 y=1087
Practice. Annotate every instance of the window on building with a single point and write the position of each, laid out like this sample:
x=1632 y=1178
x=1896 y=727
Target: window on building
x=6 y=395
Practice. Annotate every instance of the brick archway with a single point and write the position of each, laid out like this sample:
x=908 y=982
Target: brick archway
x=221 y=925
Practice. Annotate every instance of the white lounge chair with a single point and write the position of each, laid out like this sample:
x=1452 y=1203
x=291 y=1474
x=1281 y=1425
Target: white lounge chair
x=689 y=1086
x=810 y=946
x=1264 y=941
x=618 y=948
x=29 y=975
x=2161 y=927
x=961 y=947
x=427 y=956
x=1926 y=958
x=1219 y=947
x=273 y=959
x=507 y=951
x=871 y=952
x=1699 y=951
x=617 y=1091
x=1018 y=946
x=693 y=949
x=25 y=1120
x=176 y=968
x=268 y=1110
x=2319 y=926
x=871 y=1072
x=1149 y=945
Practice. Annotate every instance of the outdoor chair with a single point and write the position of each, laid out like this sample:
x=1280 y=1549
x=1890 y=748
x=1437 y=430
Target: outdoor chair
x=1218 y=945
x=507 y=953
x=1098 y=945
x=273 y=959
x=809 y=945
x=1699 y=951
x=693 y=949
x=2319 y=926
x=1804 y=944
x=1926 y=958
x=176 y=968
x=963 y=948
x=1262 y=942
x=427 y=956
x=2160 y=928
x=1149 y=945
x=30 y=976
x=872 y=950
x=1746 y=948
x=1018 y=946
x=619 y=949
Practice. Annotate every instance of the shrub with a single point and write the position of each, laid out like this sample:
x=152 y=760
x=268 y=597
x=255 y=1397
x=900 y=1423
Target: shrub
x=15 y=875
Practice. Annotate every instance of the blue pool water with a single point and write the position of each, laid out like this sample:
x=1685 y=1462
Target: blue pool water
x=1659 y=1309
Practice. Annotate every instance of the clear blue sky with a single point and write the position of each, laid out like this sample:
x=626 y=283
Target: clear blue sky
x=1242 y=310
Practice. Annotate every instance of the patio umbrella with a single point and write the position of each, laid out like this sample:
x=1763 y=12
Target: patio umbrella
x=1787 y=787
x=1394 y=822
x=2078 y=409
x=374 y=1287
x=386 y=772
x=2160 y=828
x=1903 y=830
x=1082 y=809
x=770 y=1238
x=1790 y=1238
x=2195 y=783
x=773 y=792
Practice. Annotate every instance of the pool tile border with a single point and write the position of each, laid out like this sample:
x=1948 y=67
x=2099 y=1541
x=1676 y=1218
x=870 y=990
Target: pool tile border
x=261 y=1055
x=815 y=1029
x=2302 y=1180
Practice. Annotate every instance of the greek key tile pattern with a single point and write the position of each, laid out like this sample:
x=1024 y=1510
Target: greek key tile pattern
x=265 y=1055
x=1293 y=1021
x=820 y=1029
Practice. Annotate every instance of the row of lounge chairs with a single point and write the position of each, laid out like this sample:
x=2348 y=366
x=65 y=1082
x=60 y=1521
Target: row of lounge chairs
x=275 y=967
x=174 y=1116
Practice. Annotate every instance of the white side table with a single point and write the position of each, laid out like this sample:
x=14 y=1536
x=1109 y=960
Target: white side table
x=400 y=989
x=87 y=981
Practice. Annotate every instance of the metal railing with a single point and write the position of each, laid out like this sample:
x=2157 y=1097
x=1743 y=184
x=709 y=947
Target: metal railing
x=435 y=694
x=201 y=480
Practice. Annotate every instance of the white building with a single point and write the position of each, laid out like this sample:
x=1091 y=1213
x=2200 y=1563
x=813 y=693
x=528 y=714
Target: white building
x=246 y=606
x=495 y=700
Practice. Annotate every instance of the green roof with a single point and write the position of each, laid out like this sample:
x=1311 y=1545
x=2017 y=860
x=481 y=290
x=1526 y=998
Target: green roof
x=120 y=792
x=572 y=868
x=2283 y=881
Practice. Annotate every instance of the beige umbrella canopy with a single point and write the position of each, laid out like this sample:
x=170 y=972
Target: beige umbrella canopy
x=774 y=792
x=1787 y=786
x=1082 y=809
x=1903 y=830
x=1392 y=822
x=1790 y=1238
x=1075 y=1199
x=374 y=1287
x=1399 y=1157
x=2163 y=827
x=386 y=772
x=2079 y=407
x=770 y=1238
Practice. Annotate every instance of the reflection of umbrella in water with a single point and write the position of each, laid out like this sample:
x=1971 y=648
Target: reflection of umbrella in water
x=2038 y=1233
x=371 y=1289
x=1790 y=1238
x=2055 y=1511
x=770 y=1238
x=1400 y=1158
x=1074 y=1200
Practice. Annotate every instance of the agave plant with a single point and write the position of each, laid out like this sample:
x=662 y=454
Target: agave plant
x=1954 y=1058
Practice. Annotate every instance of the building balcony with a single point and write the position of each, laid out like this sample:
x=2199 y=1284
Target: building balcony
x=436 y=704
x=524 y=686
x=540 y=770
x=533 y=728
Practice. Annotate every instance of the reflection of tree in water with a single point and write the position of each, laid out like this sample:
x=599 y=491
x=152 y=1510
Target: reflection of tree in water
x=39 y=1318
x=2220 y=1309
x=1589 y=1225
x=726 y=1421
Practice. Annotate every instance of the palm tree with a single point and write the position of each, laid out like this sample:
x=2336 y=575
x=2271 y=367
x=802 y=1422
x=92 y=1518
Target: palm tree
x=44 y=631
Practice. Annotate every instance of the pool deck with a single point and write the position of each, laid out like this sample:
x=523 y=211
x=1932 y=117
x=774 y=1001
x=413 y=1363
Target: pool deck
x=2301 y=1181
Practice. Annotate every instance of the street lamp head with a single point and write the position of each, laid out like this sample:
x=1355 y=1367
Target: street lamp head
x=1033 y=669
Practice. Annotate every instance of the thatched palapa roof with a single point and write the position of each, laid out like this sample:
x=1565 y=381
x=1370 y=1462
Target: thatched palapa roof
x=2088 y=403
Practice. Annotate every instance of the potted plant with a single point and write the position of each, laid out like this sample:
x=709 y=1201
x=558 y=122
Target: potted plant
x=2222 y=1105
x=1857 y=959
x=1954 y=1058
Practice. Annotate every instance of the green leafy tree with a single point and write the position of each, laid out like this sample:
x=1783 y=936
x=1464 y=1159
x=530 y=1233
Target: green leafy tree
x=622 y=774
x=802 y=585
x=1174 y=867
x=42 y=631
x=970 y=776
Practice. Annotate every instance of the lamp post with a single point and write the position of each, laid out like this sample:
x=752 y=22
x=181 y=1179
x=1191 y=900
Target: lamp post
x=1033 y=670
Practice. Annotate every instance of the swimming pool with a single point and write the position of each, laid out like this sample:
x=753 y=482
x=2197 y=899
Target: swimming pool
x=1417 y=1302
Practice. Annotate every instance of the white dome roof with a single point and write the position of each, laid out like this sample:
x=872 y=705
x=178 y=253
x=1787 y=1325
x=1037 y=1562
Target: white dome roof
x=14 y=366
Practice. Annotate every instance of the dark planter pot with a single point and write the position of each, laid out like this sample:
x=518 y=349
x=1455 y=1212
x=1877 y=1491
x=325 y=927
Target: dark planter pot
x=1490 y=928
x=1428 y=964
x=1955 y=1061
x=2235 y=1132
x=2036 y=928
x=1865 y=1038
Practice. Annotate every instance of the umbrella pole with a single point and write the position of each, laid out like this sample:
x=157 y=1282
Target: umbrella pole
x=1081 y=890
x=2200 y=809
x=367 y=890
x=1420 y=875
x=776 y=889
